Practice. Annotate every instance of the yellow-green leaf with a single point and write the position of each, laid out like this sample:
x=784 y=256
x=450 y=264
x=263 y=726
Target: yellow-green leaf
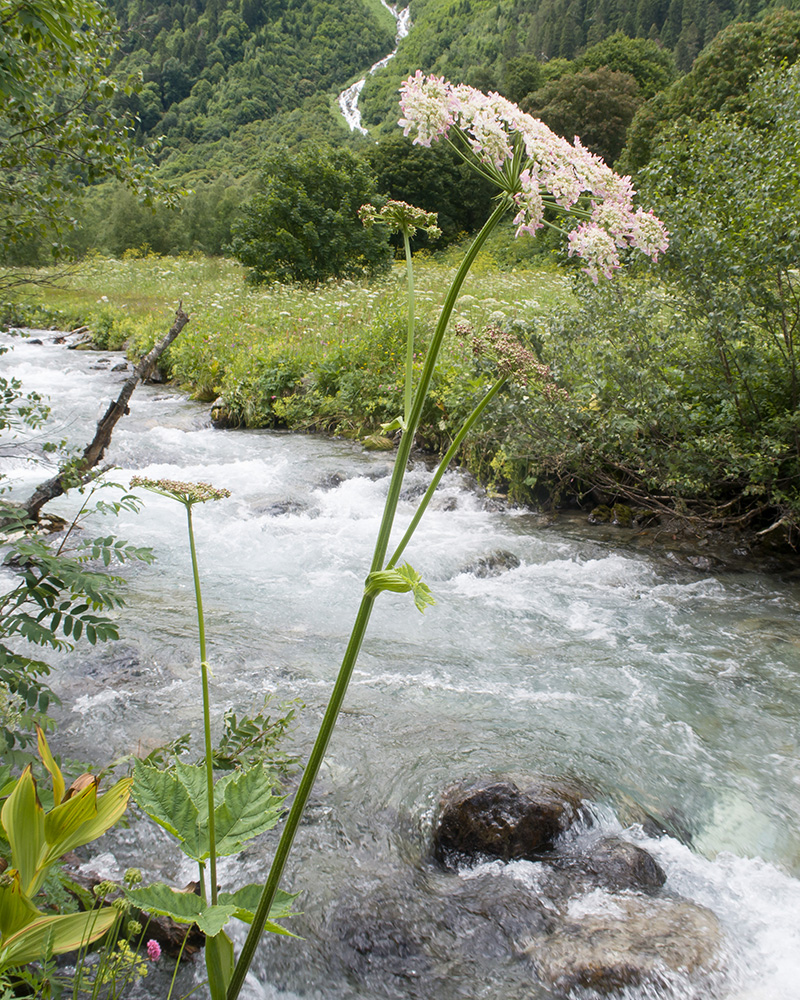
x=62 y=822
x=109 y=809
x=55 y=935
x=49 y=762
x=16 y=909
x=23 y=821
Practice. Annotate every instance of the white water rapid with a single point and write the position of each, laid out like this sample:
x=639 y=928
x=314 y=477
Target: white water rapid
x=670 y=694
x=348 y=99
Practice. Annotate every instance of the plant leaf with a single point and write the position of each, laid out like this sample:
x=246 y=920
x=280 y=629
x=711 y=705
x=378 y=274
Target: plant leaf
x=249 y=808
x=48 y=760
x=16 y=909
x=219 y=964
x=168 y=803
x=23 y=821
x=54 y=935
x=185 y=907
x=110 y=807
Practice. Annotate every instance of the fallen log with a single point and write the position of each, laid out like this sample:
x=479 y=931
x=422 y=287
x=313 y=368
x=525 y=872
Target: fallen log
x=79 y=471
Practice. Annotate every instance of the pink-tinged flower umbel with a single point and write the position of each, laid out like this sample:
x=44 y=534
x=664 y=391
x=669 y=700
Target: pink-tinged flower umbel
x=536 y=168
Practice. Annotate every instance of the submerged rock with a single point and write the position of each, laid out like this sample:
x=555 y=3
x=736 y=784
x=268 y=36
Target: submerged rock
x=498 y=820
x=610 y=941
x=492 y=564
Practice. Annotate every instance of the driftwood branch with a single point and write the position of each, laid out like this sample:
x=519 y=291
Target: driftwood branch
x=80 y=471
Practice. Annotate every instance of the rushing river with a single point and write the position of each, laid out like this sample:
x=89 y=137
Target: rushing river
x=669 y=693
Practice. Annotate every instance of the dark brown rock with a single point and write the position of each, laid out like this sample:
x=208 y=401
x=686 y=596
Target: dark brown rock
x=498 y=820
x=621 y=865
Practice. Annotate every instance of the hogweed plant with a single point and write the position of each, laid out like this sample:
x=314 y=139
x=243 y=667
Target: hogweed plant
x=545 y=181
x=210 y=818
x=400 y=217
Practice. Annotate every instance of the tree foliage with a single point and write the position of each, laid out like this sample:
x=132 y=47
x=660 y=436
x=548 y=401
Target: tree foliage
x=596 y=105
x=57 y=132
x=719 y=79
x=303 y=224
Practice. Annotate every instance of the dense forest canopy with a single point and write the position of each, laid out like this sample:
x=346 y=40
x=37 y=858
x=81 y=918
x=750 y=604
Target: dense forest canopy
x=223 y=84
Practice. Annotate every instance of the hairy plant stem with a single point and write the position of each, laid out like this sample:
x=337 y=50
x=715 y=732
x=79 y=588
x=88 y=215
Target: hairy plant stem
x=408 y=388
x=362 y=618
x=201 y=630
x=449 y=455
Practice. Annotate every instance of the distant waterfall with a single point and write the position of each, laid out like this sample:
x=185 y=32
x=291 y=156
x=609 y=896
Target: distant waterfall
x=348 y=99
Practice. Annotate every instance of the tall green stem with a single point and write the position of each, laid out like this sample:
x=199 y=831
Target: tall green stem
x=362 y=618
x=467 y=426
x=408 y=388
x=201 y=630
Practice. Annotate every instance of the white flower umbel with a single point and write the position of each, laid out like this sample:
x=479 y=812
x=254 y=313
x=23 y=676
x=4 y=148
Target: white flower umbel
x=536 y=168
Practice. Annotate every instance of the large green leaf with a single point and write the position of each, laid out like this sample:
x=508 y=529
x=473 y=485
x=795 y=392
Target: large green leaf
x=23 y=822
x=247 y=898
x=185 y=907
x=194 y=780
x=16 y=909
x=166 y=800
x=55 y=935
x=248 y=808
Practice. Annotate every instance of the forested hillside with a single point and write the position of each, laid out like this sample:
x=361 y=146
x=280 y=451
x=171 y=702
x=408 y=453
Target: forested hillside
x=212 y=66
x=224 y=84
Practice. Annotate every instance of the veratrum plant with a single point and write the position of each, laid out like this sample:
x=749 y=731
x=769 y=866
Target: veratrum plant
x=209 y=819
x=37 y=840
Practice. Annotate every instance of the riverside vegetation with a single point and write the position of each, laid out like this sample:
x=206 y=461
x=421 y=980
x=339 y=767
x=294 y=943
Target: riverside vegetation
x=535 y=172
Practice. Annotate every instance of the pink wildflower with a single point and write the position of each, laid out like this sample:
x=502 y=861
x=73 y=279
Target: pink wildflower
x=596 y=247
x=552 y=170
x=153 y=950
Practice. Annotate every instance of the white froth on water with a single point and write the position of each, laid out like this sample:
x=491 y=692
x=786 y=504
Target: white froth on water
x=674 y=692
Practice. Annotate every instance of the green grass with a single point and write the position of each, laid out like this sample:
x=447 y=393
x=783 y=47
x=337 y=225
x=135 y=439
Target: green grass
x=236 y=330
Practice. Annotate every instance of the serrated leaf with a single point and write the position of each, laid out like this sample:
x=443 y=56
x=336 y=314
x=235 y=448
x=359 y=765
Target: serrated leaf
x=249 y=808
x=167 y=801
x=185 y=907
x=247 y=898
x=194 y=780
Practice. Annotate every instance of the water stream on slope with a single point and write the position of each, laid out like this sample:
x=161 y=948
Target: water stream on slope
x=670 y=693
x=348 y=99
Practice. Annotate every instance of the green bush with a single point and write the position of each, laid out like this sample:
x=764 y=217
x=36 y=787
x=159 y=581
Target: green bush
x=303 y=224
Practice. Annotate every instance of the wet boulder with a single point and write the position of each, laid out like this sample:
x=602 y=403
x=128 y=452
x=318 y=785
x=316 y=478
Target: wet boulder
x=607 y=942
x=619 y=865
x=492 y=564
x=500 y=820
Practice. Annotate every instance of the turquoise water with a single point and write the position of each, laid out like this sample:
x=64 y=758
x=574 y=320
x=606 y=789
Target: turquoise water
x=670 y=694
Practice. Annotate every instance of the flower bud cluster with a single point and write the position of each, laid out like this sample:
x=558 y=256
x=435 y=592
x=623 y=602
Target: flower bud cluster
x=552 y=169
x=401 y=217
x=186 y=493
x=513 y=361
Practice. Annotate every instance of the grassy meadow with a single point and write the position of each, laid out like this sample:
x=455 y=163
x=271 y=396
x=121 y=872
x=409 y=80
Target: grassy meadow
x=327 y=358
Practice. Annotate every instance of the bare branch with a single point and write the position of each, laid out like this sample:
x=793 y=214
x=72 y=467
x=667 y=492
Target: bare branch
x=80 y=471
